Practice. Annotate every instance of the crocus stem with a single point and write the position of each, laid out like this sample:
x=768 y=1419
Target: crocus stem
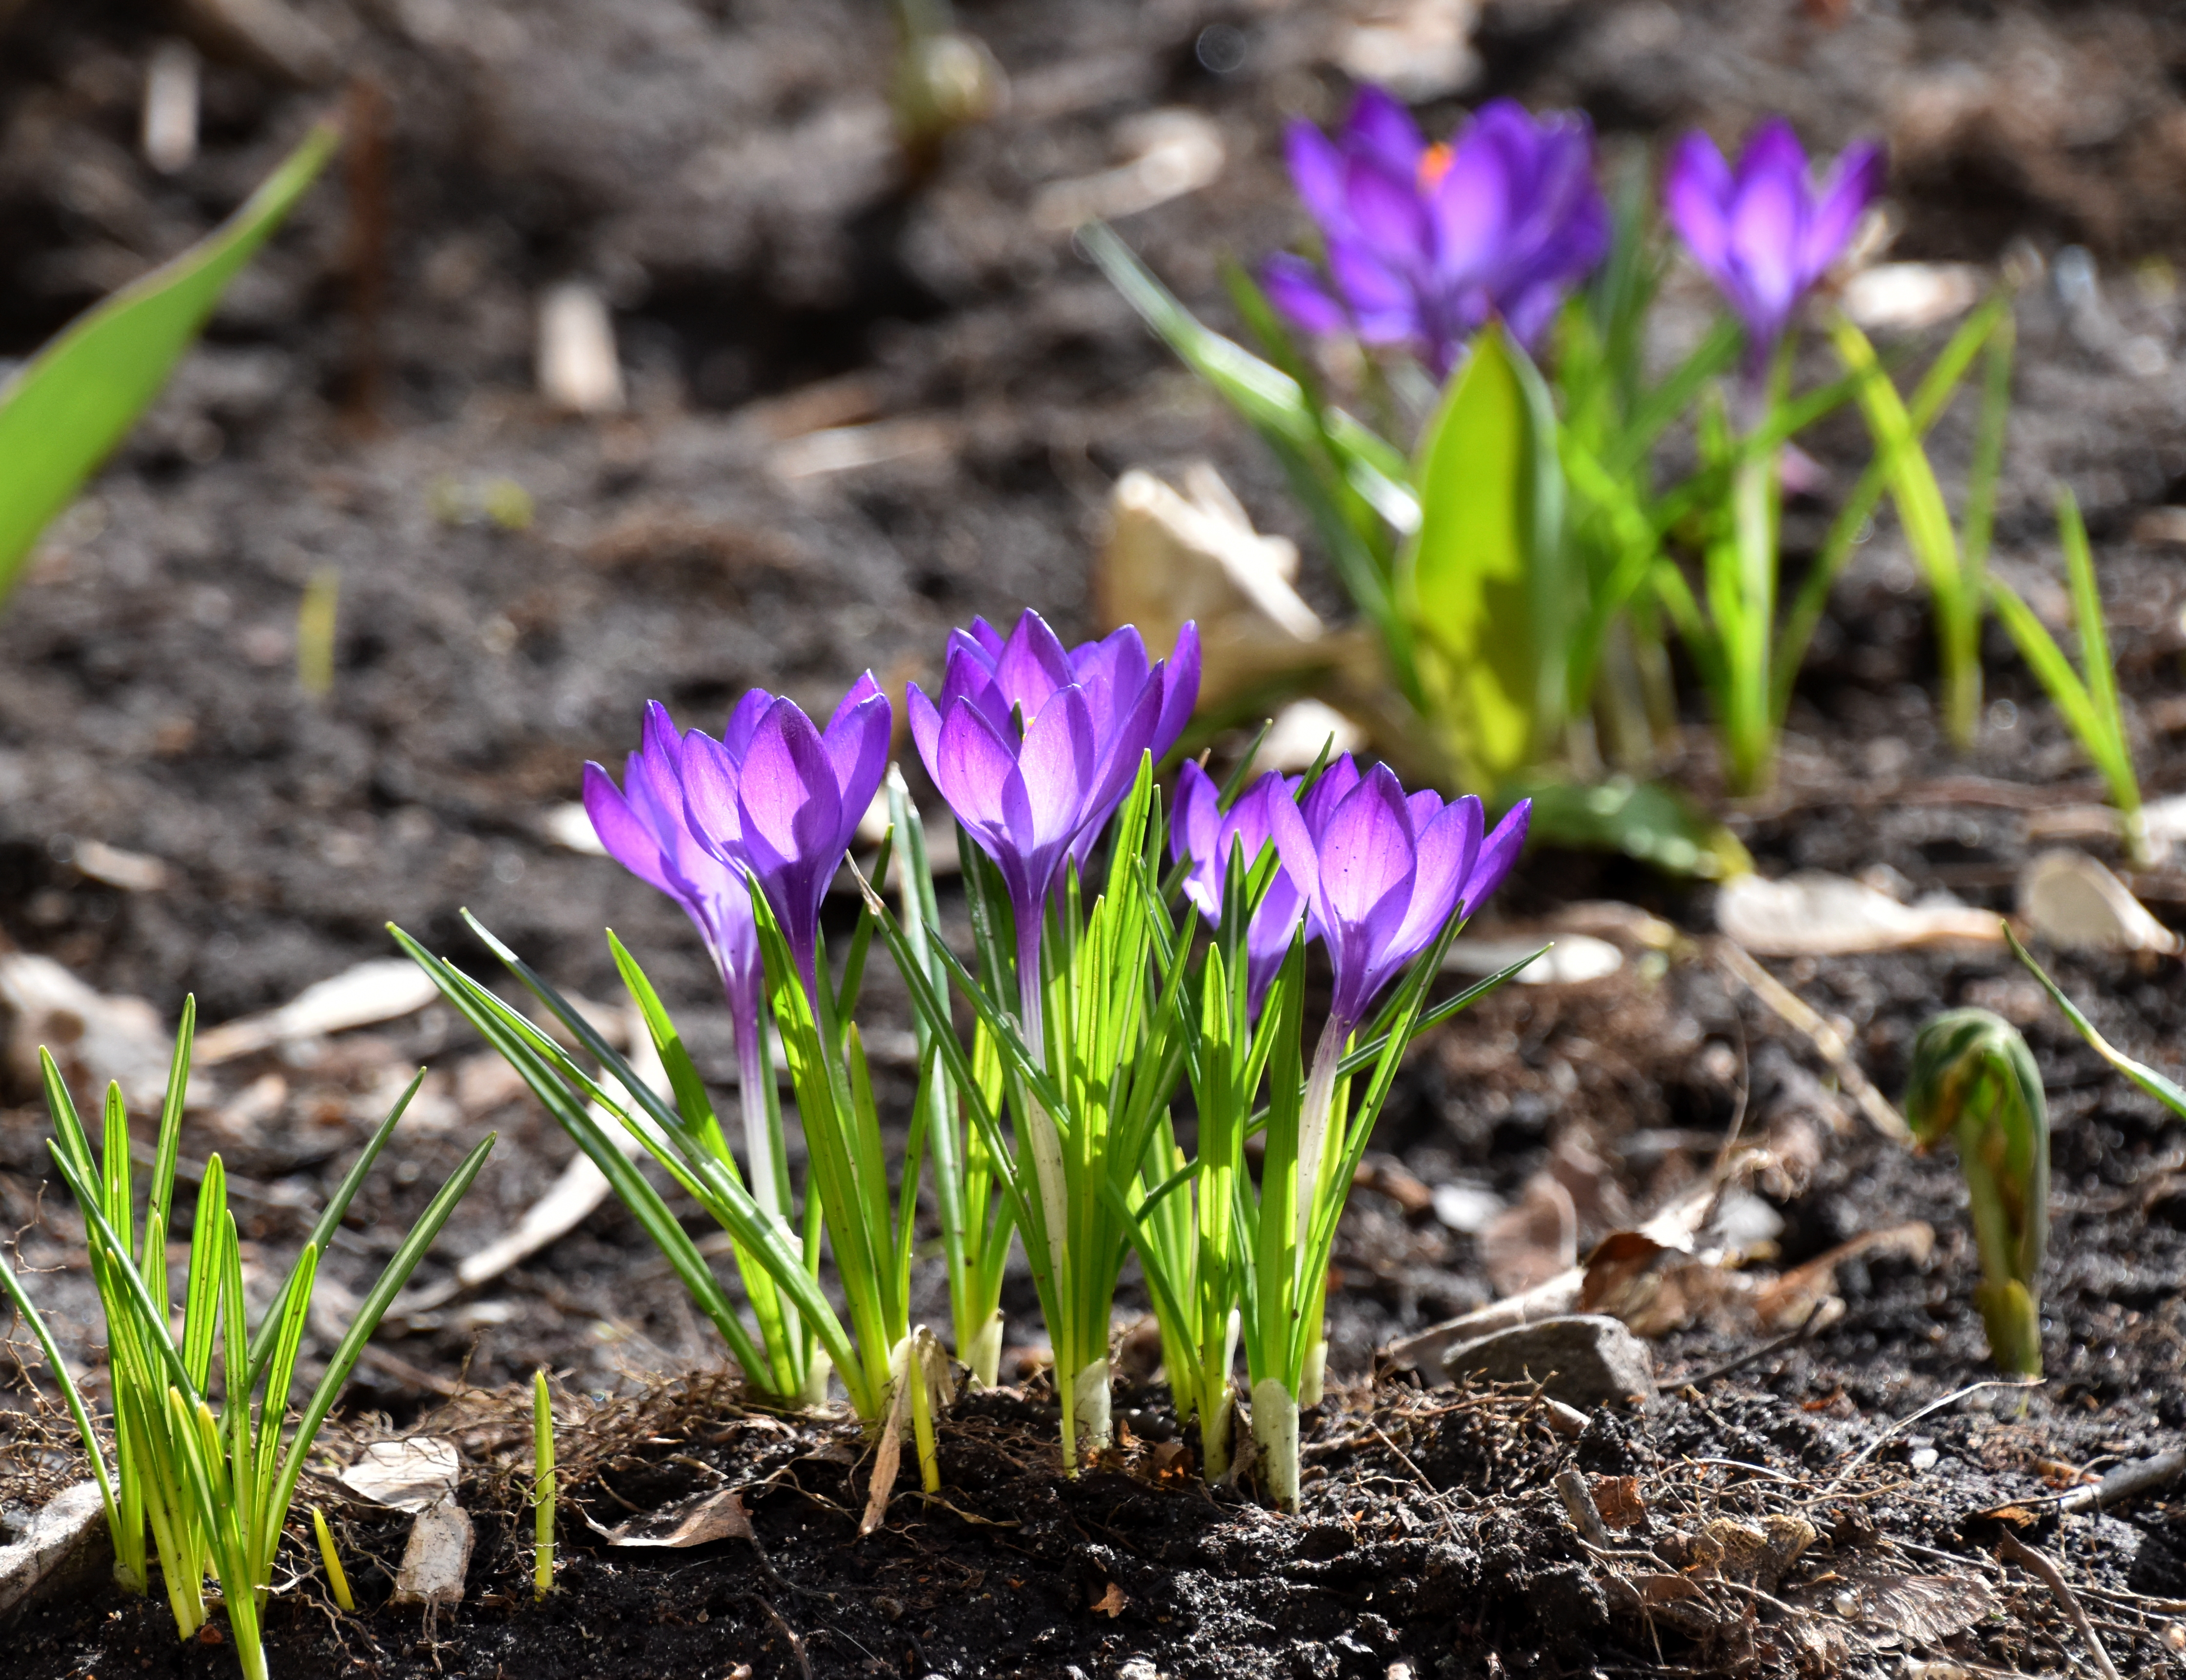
x=1314 y=1121
x=1047 y=1146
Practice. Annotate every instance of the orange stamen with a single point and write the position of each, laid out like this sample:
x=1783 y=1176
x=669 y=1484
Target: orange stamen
x=1434 y=163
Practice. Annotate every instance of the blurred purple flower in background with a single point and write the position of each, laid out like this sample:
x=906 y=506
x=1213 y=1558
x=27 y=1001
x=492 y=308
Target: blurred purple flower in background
x=1380 y=872
x=1765 y=233
x=1424 y=244
x=781 y=799
x=1033 y=746
x=1208 y=834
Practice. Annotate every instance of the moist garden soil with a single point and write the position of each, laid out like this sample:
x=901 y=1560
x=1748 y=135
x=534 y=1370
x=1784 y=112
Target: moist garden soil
x=867 y=402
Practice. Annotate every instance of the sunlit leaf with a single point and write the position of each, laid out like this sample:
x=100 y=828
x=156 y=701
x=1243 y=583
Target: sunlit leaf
x=64 y=412
x=1482 y=582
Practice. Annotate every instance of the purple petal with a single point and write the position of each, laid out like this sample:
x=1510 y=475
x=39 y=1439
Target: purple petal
x=1471 y=207
x=1337 y=778
x=736 y=733
x=925 y=729
x=1055 y=769
x=1294 y=287
x=791 y=803
x=1383 y=303
x=1447 y=848
x=628 y=841
x=1854 y=183
x=1382 y=129
x=1317 y=172
x=1767 y=225
x=1366 y=849
x=1032 y=664
x=972 y=764
x=1697 y=192
x=1296 y=849
x=709 y=796
x=987 y=637
x=1498 y=852
x=1192 y=834
x=1771 y=150
x=857 y=741
x=1388 y=212
x=1180 y=691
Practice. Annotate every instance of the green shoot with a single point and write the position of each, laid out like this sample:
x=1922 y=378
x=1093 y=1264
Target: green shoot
x=1974 y=1082
x=337 y=1581
x=214 y=1487
x=1956 y=573
x=2088 y=697
x=543 y=1488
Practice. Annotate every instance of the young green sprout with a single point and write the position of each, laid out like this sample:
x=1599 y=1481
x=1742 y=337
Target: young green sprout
x=543 y=1487
x=1974 y=1082
x=336 y=1581
x=213 y=1485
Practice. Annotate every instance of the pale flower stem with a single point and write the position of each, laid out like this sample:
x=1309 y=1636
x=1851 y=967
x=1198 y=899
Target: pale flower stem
x=1314 y=1121
x=761 y=1144
x=1047 y=1146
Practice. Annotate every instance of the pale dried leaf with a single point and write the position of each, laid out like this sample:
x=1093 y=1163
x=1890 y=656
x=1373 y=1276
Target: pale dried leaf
x=698 y=1520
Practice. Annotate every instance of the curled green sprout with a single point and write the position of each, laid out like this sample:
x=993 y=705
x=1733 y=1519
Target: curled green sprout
x=1974 y=1082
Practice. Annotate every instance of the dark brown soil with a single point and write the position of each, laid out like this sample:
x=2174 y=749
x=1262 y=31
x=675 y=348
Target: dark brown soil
x=723 y=171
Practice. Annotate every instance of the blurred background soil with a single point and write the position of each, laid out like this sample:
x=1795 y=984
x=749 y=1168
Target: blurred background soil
x=866 y=403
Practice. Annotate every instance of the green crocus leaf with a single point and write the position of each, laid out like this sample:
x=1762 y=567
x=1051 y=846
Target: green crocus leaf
x=1482 y=581
x=1649 y=820
x=64 y=411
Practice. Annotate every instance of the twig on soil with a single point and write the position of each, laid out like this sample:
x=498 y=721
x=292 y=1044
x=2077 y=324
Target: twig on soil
x=1795 y=1012
x=2039 y=1566
x=1950 y=1399
x=2145 y=1476
x=1578 y=1501
x=796 y=1645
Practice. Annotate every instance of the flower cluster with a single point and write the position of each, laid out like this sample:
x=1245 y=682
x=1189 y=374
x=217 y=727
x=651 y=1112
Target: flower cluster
x=1424 y=244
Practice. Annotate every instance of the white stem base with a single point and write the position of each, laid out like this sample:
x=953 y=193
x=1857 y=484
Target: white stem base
x=1315 y=1374
x=815 y=1393
x=1088 y=1400
x=1217 y=1425
x=1276 y=1434
x=984 y=1353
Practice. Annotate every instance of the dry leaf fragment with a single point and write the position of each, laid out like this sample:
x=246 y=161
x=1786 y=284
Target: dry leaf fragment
x=1113 y=1602
x=1531 y=1241
x=409 y=1475
x=1791 y=1299
x=1617 y=1498
x=1757 y=1554
x=698 y=1520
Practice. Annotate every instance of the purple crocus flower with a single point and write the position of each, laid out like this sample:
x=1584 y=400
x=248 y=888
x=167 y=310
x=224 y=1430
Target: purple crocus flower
x=1380 y=871
x=644 y=829
x=1033 y=746
x=1207 y=835
x=1765 y=233
x=1424 y=243
x=780 y=799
